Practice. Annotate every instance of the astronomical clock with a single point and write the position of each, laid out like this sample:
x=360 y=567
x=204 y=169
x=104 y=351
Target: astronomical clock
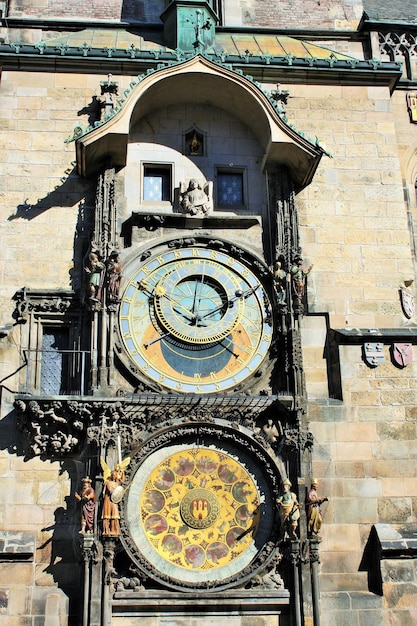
x=174 y=388
x=195 y=319
x=197 y=512
x=195 y=330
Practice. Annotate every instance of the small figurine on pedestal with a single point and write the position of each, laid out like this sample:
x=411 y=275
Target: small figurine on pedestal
x=299 y=272
x=113 y=277
x=88 y=505
x=289 y=510
x=313 y=502
x=280 y=285
x=95 y=269
x=112 y=494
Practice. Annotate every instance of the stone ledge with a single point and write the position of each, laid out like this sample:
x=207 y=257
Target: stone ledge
x=397 y=540
x=241 y=602
x=388 y=542
x=17 y=546
x=359 y=335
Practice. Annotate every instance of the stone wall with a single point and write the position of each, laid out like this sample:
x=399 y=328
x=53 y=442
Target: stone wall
x=355 y=230
x=42 y=197
x=291 y=14
x=43 y=213
x=296 y=15
x=353 y=217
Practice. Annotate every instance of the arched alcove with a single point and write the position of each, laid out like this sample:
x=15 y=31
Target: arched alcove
x=199 y=80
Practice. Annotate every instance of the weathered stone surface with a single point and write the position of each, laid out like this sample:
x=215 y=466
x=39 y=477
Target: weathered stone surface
x=365 y=600
x=394 y=509
x=406 y=431
x=400 y=595
x=396 y=570
x=21 y=572
x=15 y=543
x=336 y=563
x=374 y=618
x=355 y=510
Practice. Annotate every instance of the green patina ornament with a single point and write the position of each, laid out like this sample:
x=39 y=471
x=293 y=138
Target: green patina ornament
x=189 y=25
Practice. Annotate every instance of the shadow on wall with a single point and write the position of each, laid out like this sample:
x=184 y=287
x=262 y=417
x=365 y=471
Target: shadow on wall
x=389 y=558
x=141 y=11
x=371 y=563
x=72 y=190
x=58 y=547
x=12 y=438
x=62 y=547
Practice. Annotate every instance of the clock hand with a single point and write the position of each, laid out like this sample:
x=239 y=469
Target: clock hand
x=245 y=294
x=229 y=349
x=187 y=317
x=200 y=282
x=146 y=287
x=178 y=304
x=160 y=292
x=149 y=343
x=239 y=294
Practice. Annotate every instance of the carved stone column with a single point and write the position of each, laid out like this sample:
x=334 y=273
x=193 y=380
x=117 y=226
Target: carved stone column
x=104 y=236
x=109 y=548
x=298 y=441
x=87 y=545
x=285 y=228
x=104 y=246
x=315 y=587
x=295 y=560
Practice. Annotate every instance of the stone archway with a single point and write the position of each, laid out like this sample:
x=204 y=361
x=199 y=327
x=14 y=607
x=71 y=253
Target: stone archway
x=199 y=80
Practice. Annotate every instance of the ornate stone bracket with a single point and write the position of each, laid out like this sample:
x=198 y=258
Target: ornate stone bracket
x=269 y=577
x=296 y=440
x=42 y=302
x=54 y=428
x=59 y=428
x=314 y=543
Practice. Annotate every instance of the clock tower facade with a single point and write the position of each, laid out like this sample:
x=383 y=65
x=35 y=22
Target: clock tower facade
x=198 y=340
x=169 y=348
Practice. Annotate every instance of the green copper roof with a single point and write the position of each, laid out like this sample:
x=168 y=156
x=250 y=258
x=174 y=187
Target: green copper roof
x=279 y=45
x=235 y=44
x=96 y=38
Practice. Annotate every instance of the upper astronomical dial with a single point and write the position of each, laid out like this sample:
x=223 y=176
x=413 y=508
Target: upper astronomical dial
x=195 y=320
x=199 y=301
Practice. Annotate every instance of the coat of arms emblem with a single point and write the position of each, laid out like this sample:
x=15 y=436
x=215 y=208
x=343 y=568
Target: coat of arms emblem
x=373 y=353
x=407 y=302
x=402 y=354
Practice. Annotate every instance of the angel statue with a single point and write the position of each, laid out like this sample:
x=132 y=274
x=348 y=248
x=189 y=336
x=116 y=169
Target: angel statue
x=113 y=492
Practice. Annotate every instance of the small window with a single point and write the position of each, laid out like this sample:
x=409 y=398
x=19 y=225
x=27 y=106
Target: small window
x=218 y=9
x=157 y=183
x=55 y=359
x=230 y=188
x=194 y=143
